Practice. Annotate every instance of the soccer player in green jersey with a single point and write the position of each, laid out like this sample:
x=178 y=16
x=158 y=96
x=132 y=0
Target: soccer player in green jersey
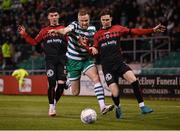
x=79 y=60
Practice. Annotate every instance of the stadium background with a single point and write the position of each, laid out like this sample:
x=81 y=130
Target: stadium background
x=154 y=59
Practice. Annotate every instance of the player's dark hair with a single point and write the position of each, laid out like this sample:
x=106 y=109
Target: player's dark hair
x=52 y=10
x=106 y=11
x=83 y=11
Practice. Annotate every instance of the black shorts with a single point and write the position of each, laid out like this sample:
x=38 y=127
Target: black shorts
x=112 y=72
x=55 y=68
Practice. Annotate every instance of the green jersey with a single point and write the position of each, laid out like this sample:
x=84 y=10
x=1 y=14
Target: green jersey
x=74 y=50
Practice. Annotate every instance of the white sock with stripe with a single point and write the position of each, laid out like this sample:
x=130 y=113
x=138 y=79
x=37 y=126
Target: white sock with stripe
x=99 y=91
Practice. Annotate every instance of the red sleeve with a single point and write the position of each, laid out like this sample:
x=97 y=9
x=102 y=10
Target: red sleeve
x=66 y=38
x=136 y=31
x=89 y=50
x=95 y=43
x=123 y=29
x=32 y=41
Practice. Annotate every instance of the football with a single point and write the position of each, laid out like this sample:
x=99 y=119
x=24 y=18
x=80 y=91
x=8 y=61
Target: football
x=88 y=116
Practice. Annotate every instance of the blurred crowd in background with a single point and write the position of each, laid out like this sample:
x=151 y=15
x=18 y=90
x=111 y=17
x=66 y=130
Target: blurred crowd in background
x=32 y=14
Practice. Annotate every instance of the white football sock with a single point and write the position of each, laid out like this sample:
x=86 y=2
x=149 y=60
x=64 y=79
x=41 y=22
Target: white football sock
x=99 y=91
x=141 y=104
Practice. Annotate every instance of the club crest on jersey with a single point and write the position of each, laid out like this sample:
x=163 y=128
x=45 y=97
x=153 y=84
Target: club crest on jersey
x=50 y=73
x=107 y=36
x=108 y=77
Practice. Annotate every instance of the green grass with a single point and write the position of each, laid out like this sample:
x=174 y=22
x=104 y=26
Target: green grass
x=30 y=112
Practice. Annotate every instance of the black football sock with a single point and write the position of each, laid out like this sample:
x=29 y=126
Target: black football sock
x=59 y=91
x=51 y=95
x=137 y=91
x=116 y=100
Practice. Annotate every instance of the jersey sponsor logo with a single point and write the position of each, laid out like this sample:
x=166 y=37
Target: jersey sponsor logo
x=1 y=85
x=50 y=73
x=112 y=42
x=27 y=85
x=108 y=77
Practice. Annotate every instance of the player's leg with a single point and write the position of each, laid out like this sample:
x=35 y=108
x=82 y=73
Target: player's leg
x=92 y=73
x=50 y=71
x=68 y=83
x=98 y=88
x=59 y=90
x=75 y=87
x=130 y=77
x=112 y=80
x=61 y=80
x=116 y=99
x=74 y=74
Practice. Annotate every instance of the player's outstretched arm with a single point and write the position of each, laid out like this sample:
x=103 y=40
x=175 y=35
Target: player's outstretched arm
x=63 y=31
x=21 y=30
x=29 y=39
x=159 y=28
x=137 y=31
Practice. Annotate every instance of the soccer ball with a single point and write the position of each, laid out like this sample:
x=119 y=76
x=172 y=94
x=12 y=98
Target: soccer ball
x=88 y=116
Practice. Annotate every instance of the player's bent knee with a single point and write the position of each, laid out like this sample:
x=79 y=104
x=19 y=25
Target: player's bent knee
x=75 y=93
x=132 y=80
x=95 y=79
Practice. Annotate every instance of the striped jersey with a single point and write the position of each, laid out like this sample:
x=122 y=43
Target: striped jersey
x=74 y=50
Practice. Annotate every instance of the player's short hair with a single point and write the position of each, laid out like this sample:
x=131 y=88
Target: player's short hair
x=106 y=11
x=52 y=10
x=83 y=11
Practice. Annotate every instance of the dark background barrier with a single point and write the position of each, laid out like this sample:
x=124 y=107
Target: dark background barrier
x=151 y=86
x=35 y=85
x=154 y=85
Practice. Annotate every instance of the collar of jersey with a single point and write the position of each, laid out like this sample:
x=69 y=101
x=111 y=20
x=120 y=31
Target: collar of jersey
x=106 y=28
x=54 y=25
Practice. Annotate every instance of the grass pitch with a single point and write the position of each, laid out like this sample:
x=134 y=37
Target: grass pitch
x=30 y=112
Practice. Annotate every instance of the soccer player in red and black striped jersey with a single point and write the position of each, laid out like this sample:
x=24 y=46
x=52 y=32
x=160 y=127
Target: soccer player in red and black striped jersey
x=107 y=41
x=54 y=47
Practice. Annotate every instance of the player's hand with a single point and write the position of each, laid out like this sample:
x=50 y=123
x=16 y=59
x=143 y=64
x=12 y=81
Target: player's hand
x=94 y=51
x=55 y=32
x=83 y=41
x=21 y=30
x=159 y=28
x=52 y=31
